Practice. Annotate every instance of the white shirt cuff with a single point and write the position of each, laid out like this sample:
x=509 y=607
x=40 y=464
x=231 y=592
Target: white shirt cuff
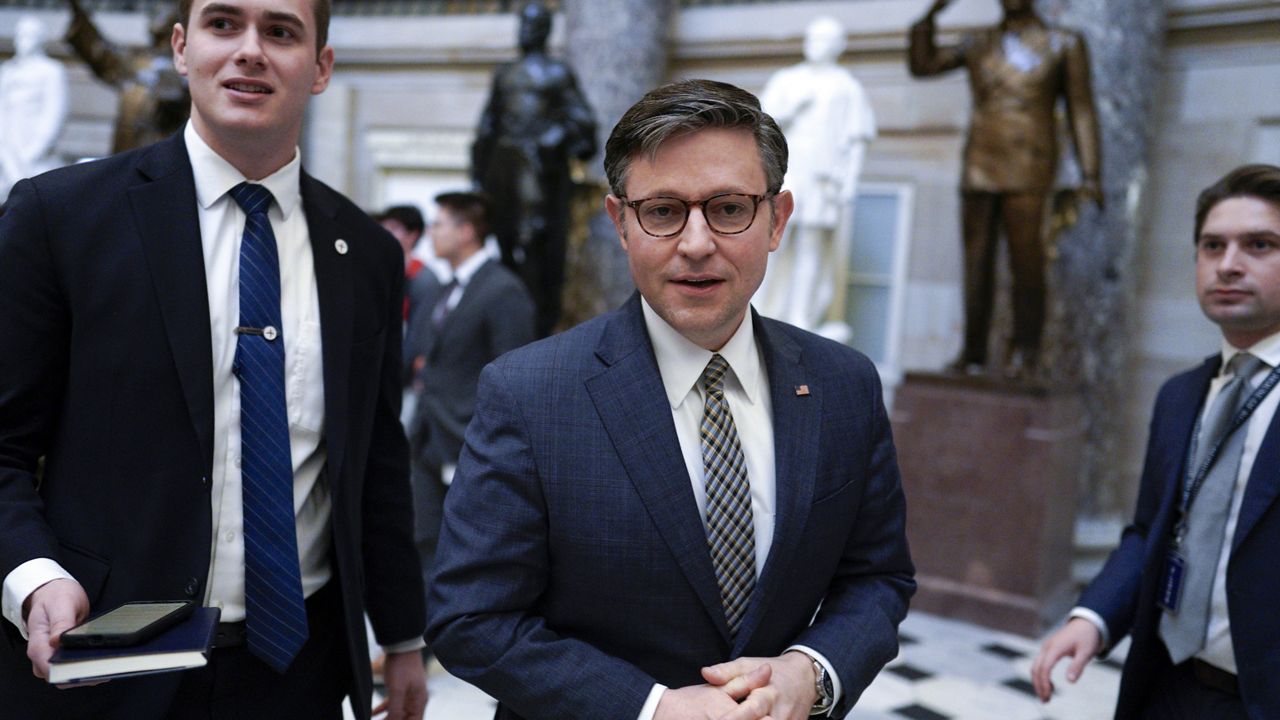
x=836 y=690
x=24 y=580
x=1096 y=620
x=651 y=705
x=405 y=646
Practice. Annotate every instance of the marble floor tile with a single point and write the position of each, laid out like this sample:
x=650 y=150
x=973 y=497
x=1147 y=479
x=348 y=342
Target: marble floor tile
x=945 y=670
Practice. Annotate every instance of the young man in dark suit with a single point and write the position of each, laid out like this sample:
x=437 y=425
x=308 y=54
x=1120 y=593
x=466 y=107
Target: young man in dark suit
x=203 y=344
x=680 y=508
x=457 y=328
x=1193 y=581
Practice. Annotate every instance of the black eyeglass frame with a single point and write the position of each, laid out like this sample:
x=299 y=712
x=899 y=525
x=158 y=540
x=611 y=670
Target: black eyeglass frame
x=702 y=204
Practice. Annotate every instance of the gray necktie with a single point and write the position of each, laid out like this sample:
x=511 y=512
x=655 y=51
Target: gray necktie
x=1184 y=633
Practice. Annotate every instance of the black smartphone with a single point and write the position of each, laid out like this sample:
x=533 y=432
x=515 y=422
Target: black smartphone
x=130 y=624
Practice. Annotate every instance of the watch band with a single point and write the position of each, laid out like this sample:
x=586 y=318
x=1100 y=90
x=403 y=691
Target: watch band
x=822 y=684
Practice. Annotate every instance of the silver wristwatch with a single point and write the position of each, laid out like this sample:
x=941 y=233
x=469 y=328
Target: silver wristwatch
x=822 y=683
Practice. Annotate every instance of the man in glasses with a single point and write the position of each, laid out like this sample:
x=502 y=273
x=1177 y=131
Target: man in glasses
x=678 y=509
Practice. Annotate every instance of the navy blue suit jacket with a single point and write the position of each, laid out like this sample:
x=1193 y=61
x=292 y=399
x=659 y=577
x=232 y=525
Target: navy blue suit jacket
x=106 y=372
x=1125 y=592
x=573 y=569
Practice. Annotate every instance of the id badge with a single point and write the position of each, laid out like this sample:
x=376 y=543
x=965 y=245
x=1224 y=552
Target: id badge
x=1175 y=566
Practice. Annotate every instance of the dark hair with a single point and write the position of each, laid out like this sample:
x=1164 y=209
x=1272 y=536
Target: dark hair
x=320 y=8
x=684 y=107
x=469 y=207
x=407 y=215
x=1256 y=180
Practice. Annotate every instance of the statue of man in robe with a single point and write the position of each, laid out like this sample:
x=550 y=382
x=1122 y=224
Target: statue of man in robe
x=535 y=121
x=1017 y=72
x=824 y=112
x=33 y=105
x=154 y=102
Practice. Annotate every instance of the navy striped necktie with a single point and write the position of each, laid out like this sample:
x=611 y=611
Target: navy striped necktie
x=275 y=613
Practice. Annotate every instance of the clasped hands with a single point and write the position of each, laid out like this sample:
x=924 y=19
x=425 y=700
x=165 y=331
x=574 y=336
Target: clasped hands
x=749 y=688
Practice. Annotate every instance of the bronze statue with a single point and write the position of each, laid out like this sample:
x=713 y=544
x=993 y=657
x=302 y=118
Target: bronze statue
x=1017 y=71
x=535 y=121
x=154 y=102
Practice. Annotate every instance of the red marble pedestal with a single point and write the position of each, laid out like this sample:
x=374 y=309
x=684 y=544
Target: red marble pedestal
x=990 y=474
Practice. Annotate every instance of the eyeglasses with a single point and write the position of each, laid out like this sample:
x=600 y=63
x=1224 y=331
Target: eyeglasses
x=726 y=214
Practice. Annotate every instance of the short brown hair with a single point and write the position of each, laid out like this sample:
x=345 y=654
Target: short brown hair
x=687 y=106
x=407 y=215
x=320 y=7
x=1255 y=180
x=469 y=207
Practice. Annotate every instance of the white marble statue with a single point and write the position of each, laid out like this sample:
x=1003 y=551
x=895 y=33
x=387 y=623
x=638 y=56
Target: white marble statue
x=33 y=105
x=825 y=115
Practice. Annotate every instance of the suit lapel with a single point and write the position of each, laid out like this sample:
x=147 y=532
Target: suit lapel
x=632 y=404
x=796 y=420
x=333 y=284
x=1263 y=486
x=1187 y=404
x=467 y=303
x=164 y=209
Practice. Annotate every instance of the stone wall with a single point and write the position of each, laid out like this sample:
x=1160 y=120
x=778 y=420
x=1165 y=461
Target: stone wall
x=398 y=120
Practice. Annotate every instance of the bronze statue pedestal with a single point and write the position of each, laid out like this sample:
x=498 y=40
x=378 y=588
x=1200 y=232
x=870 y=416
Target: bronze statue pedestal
x=989 y=469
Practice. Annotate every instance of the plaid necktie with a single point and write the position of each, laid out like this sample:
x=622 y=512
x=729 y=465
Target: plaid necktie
x=730 y=529
x=275 y=614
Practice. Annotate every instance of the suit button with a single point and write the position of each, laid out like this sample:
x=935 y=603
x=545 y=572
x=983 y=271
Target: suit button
x=204 y=481
x=192 y=586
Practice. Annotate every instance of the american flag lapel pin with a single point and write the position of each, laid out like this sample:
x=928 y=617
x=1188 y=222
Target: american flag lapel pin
x=802 y=390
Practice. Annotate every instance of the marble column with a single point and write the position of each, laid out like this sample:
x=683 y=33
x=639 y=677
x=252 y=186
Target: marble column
x=1094 y=275
x=618 y=48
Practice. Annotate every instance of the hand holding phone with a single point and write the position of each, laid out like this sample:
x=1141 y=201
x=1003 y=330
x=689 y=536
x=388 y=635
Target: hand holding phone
x=54 y=607
x=132 y=623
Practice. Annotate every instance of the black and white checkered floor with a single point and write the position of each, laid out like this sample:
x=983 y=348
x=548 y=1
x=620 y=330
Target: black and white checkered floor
x=947 y=670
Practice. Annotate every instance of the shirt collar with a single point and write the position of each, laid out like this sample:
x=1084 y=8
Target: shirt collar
x=470 y=267
x=214 y=176
x=1267 y=350
x=681 y=362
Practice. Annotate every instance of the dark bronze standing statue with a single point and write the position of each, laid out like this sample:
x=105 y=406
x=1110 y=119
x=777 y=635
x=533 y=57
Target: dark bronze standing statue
x=535 y=121
x=154 y=102
x=1017 y=71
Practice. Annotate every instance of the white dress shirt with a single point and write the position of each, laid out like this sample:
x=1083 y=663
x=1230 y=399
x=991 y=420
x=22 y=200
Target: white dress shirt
x=1218 y=649
x=746 y=389
x=221 y=226
x=463 y=273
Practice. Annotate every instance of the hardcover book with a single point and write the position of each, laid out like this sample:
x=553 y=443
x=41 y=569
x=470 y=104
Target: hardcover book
x=181 y=647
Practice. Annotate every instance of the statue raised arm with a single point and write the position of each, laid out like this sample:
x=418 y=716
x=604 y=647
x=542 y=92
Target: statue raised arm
x=1018 y=71
x=154 y=102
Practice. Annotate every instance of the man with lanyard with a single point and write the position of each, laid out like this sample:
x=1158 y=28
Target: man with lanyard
x=1193 y=578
